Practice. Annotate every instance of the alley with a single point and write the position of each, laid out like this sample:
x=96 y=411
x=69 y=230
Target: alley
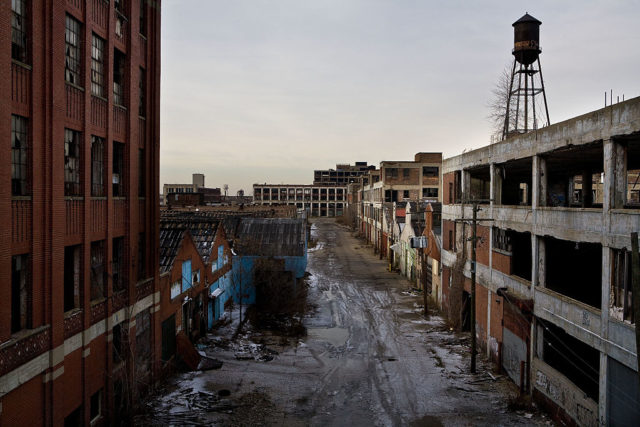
x=369 y=358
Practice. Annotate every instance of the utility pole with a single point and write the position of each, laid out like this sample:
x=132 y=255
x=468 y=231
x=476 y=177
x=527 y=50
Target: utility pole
x=635 y=286
x=474 y=239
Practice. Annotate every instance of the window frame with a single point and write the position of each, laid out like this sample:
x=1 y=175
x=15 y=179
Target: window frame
x=19 y=31
x=97 y=65
x=72 y=162
x=22 y=319
x=20 y=156
x=97 y=166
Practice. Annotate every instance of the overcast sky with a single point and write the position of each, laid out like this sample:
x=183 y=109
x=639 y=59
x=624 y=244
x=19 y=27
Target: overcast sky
x=267 y=91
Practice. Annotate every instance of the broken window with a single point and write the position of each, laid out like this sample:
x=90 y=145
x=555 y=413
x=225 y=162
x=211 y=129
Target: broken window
x=118 y=169
x=97 y=66
x=195 y=278
x=186 y=275
x=118 y=77
x=621 y=288
x=142 y=256
x=479 y=184
x=72 y=162
x=142 y=91
x=19 y=157
x=574 y=359
x=20 y=293
x=431 y=193
x=117 y=264
x=121 y=19
x=97 y=271
x=19 y=30
x=72 y=277
x=72 y=60
x=430 y=171
x=97 y=166
x=517 y=246
x=96 y=406
x=117 y=344
x=143 y=343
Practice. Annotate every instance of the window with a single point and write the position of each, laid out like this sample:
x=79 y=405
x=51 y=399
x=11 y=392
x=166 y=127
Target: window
x=430 y=192
x=117 y=264
x=117 y=343
x=72 y=277
x=97 y=66
x=118 y=77
x=430 y=171
x=501 y=240
x=405 y=194
x=142 y=173
x=406 y=172
x=392 y=172
x=142 y=256
x=96 y=406
x=121 y=19
x=220 y=256
x=142 y=85
x=97 y=166
x=20 y=293
x=19 y=157
x=175 y=289
x=118 y=166
x=72 y=163
x=143 y=18
x=97 y=271
x=19 y=30
x=186 y=275
x=72 y=60
x=143 y=343
x=196 y=277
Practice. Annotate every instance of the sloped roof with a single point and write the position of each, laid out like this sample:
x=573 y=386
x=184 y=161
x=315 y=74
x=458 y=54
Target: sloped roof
x=170 y=243
x=271 y=237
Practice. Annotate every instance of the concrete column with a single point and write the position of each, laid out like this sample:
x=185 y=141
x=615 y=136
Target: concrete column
x=604 y=331
x=539 y=182
x=540 y=262
x=620 y=189
x=495 y=189
x=466 y=184
x=615 y=175
x=587 y=187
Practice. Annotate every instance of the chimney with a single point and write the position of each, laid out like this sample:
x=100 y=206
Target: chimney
x=428 y=219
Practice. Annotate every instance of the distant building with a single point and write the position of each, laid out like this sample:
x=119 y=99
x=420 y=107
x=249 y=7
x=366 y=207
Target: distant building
x=342 y=175
x=194 y=194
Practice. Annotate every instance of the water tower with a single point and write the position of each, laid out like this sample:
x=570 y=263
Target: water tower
x=522 y=112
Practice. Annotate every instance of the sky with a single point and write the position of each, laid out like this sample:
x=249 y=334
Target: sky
x=266 y=91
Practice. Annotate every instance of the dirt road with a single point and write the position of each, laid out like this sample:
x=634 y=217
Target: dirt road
x=369 y=358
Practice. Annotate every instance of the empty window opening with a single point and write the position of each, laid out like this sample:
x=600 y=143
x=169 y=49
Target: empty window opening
x=97 y=271
x=514 y=182
x=118 y=343
x=19 y=157
x=574 y=359
x=391 y=172
x=572 y=176
x=574 y=269
x=621 y=307
x=20 y=293
x=517 y=247
x=632 y=195
x=96 y=406
x=72 y=277
x=406 y=172
x=480 y=184
x=430 y=193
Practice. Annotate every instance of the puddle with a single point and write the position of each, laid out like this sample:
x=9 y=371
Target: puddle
x=334 y=336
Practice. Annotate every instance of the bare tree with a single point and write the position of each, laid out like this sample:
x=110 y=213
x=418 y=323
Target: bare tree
x=226 y=188
x=497 y=105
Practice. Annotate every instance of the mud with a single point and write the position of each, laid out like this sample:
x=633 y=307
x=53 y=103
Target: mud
x=369 y=358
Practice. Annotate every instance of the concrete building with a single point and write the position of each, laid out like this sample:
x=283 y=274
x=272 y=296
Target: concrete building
x=342 y=175
x=553 y=267
x=317 y=200
x=79 y=117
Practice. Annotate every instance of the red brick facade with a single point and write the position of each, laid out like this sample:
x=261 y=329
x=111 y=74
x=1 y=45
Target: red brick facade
x=53 y=362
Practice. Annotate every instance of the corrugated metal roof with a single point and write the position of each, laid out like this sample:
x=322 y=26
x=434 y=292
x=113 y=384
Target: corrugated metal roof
x=271 y=237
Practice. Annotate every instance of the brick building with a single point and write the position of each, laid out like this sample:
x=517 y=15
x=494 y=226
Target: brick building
x=79 y=119
x=554 y=298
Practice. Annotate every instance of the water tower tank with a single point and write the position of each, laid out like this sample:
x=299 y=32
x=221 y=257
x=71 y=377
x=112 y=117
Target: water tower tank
x=526 y=39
